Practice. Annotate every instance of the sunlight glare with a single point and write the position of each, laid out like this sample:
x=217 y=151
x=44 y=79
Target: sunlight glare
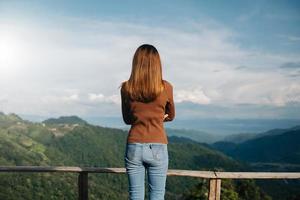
x=10 y=52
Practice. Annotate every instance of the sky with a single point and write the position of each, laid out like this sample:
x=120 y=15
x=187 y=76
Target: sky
x=225 y=59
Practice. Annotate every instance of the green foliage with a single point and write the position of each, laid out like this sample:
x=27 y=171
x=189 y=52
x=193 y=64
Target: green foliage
x=199 y=191
x=275 y=148
x=65 y=120
x=230 y=190
x=27 y=143
x=248 y=190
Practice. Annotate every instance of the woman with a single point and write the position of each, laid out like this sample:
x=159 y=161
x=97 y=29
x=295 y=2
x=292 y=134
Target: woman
x=147 y=102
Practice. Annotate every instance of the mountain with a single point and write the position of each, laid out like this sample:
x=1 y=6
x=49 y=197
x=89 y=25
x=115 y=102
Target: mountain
x=9 y=119
x=63 y=143
x=273 y=150
x=277 y=131
x=274 y=146
x=65 y=120
x=242 y=137
x=199 y=136
x=239 y=137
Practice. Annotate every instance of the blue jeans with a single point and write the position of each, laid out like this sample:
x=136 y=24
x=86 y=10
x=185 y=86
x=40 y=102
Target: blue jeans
x=151 y=158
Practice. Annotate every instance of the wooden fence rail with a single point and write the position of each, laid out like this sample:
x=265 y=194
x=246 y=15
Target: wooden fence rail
x=213 y=176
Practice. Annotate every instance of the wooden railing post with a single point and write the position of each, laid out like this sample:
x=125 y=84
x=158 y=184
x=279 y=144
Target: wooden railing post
x=83 y=186
x=214 y=189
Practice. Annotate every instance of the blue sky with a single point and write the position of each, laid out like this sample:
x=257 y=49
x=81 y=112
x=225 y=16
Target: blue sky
x=225 y=59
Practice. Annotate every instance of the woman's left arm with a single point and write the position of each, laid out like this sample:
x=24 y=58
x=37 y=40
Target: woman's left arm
x=170 y=107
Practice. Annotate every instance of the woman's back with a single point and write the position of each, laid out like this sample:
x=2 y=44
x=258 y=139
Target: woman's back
x=147 y=119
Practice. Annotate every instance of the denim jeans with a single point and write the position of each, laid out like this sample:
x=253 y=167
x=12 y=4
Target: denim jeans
x=149 y=158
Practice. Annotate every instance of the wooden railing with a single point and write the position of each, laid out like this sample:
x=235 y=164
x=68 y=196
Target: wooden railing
x=213 y=176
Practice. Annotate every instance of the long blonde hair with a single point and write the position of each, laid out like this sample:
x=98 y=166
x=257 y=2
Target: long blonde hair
x=145 y=82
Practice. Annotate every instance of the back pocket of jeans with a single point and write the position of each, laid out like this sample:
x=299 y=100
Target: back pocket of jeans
x=158 y=151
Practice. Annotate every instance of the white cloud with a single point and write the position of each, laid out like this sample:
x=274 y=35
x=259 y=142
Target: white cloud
x=95 y=57
x=100 y=98
x=293 y=38
x=195 y=95
x=73 y=97
x=289 y=39
x=96 y=97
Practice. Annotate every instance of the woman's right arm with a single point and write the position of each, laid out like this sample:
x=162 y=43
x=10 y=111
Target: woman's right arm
x=126 y=113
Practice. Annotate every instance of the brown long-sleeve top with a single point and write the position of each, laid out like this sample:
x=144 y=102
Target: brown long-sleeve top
x=146 y=119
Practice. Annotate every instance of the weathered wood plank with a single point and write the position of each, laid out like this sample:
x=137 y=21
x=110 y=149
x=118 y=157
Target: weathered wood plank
x=214 y=189
x=258 y=175
x=218 y=189
x=60 y=169
x=171 y=172
x=192 y=173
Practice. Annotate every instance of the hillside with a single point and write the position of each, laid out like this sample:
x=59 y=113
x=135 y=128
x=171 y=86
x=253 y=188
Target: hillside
x=281 y=147
x=199 y=136
x=51 y=144
x=65 y=120
x=273 y=150
x=243 y=137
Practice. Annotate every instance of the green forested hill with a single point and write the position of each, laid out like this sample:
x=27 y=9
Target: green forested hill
x=65 y=120
x=273 y=148
x=81 y=144
x=199 y=136
x=243 y=137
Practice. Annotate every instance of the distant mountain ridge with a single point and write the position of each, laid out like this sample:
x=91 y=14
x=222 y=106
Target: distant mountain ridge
x=65 y=120
x=276 y=145
x=10 y=116
x=242 y=137
x=9 y=119
x=216 y=126
x=196 y=135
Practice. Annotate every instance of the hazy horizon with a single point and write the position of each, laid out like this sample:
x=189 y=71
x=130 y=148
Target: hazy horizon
x=214 y=126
